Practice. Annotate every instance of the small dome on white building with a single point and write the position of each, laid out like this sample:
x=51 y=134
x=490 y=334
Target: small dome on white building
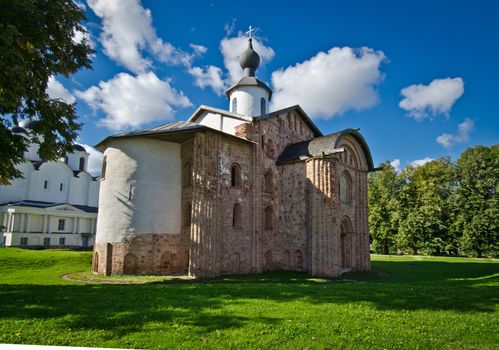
x=249 y=96
x=78 y=159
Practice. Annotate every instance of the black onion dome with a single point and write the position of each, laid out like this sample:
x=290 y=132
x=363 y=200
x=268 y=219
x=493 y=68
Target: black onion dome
x=249 y=58
x=79 y=148
x=19 y=130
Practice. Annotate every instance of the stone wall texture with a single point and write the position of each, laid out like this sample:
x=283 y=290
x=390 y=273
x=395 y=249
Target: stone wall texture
x=242 y=213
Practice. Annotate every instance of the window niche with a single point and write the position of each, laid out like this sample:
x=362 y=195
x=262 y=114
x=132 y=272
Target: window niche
x=267 y=182
x=236 y=216
x=233 y=108
x=269 y=216
x=235 y=175
x=103 y=169
x=345 y=188
x=82 y=164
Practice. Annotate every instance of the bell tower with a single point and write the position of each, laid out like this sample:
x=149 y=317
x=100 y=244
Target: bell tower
x=249 y=96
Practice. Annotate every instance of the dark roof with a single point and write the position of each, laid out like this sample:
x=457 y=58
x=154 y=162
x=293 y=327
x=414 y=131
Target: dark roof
x=80 y=148
x=300 y=112
x=40 y=204
x=249 y=81
x=322 y=146
x=19 y=130
x=37 y=164
x=175 y=132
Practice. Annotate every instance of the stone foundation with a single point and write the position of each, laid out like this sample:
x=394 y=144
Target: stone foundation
x=145 y=254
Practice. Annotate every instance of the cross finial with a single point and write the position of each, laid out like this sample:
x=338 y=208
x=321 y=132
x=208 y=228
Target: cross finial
x=250 y=32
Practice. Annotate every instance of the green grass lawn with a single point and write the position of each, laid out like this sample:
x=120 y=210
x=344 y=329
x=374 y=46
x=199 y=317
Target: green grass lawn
x=440 y=303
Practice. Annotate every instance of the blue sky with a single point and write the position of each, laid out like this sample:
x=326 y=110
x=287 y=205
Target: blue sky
x=348 y=63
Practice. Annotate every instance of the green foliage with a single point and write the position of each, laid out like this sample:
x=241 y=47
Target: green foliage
x=477 y=197
x=439 y=208
x=36 y=42
x=425 y=303
x=384 y=186
x=424 y=208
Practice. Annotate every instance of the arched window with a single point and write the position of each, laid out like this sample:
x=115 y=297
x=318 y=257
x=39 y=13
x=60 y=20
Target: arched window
x=234 y=105
x=345 y=188
x=235 y=175
x=269 y=215
x=45 y=184
x=263 y=106
x=187 y=215
x=236 y=216
x=103 y=169
x=267 y=181
x=61 y=186
x=82 y=164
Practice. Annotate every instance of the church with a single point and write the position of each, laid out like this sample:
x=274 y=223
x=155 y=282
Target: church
x=54 y=204
x=234 y=192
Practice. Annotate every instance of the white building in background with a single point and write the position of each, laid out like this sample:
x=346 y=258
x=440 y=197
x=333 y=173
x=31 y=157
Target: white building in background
x=54 y=205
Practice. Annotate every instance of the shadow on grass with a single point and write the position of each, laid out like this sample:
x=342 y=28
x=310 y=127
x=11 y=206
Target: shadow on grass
x=461 y=287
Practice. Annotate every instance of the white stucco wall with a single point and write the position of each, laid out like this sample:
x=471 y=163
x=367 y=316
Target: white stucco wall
x=141 y=191
x=80 y=190
x=248 y=100
x=225 y=123
x=74 y=160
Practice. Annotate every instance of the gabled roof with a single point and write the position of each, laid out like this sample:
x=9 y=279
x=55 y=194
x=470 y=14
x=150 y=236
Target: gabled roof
x=322 y=146
x=40 y=204
x=197 y=113
x=175 y=132
x=301 y=113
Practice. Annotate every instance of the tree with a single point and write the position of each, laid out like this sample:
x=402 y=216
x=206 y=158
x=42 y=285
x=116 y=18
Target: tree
x=426 y=208
x=477 y=200
x=383 y=189
x=37 y=42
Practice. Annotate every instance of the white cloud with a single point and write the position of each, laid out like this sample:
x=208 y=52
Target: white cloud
x=419 y=162
x=94 y=160
x=330 y=83
x=210 y=76
x=80 y=35
x=424 y=101
x=395 y=164
x=127 y=34
x=463 y=133
x=198 y=49
x=56 y=90
x=131 y=101
x=233 y=47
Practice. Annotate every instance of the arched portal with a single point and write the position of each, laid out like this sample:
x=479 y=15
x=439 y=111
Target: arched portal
x=347 y=252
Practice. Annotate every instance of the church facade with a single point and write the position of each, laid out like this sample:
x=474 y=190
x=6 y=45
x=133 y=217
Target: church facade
x=234 y=192
x=54 y=204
